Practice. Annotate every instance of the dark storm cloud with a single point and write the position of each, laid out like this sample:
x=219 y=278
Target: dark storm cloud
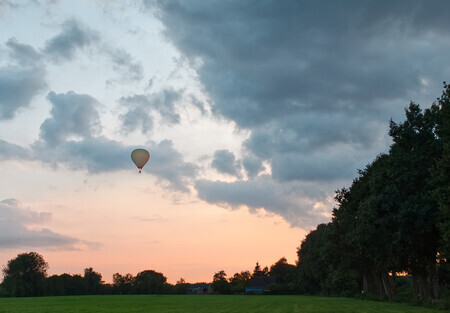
x=314 y=82
x=293 y=203
x=225 y=162
x=18 y=230
x=141 y=107
x=72 y=114
x=73 y=37
x=263 y=60
x=266 y=60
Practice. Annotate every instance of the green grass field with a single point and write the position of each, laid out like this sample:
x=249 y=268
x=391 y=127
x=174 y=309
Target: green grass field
x=199 y=304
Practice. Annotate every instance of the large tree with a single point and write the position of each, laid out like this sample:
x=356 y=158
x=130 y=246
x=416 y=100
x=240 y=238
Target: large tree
x=25 y=275
x=440 y=178
x=239 y=281
x=149 y=282
x=220 y=283
x=93 y=281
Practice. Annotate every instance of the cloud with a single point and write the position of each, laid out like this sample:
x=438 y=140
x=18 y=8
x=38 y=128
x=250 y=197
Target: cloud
x=73 y=37
x=170 y=168
x=18 y=86
x=124 y=64
x=72 y=114
x=18 y=230
x=314 y=83
x=142 y=107
x=94 y=154
x=270 y=60
x=294 y=203
x=226 y=163
x=22 y=53
x=21 y=79
x=253 y=165
x=279 y=66
x=100 y=154
x=9 y=151
x=5 y=5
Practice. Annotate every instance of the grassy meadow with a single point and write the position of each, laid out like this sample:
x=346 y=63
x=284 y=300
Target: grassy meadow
x=199 y=304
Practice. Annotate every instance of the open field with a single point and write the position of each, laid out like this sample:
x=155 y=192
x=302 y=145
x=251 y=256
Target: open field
x=199 y=304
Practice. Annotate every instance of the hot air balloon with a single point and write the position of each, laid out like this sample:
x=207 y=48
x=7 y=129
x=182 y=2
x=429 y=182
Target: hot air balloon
x=140 y=158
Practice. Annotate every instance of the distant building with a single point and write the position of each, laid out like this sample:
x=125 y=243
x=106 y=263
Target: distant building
x=260 y=284
x=199 y=289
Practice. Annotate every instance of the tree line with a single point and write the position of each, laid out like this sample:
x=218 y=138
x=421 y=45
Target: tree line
x=393 y=220
x=26 y=276
x=389 y=236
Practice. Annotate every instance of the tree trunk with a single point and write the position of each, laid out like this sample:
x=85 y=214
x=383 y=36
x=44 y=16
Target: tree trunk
x=380 y=289
x=415 y=287
x=388 y=285
x=365 y=284
x=434 y=280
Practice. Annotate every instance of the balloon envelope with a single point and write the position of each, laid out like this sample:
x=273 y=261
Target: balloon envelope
x=140 y=157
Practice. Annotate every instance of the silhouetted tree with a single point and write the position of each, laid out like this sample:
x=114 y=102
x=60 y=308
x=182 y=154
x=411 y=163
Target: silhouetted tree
x=283 y=271
x=181 y=287
x=220 y=283
x=239 y=281
x=440 y=179
x=257 y=271
x=149 y=282
x=93 y=281
x=123 y=284
x=25 y=275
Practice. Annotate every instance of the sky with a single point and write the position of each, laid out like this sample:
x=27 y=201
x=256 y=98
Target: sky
x=254 y=114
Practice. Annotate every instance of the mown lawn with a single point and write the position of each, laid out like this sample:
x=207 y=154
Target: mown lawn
x=199 y=304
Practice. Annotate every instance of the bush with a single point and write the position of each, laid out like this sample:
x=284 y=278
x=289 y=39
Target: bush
x=347 y=294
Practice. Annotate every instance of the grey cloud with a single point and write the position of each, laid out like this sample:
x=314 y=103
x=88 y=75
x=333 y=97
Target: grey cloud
x=198 y=104
x=100 y=154
x=16 y=231
x=270 y=59
x=72 y=114
x=137 y=117
x=225 y=162
x=253 y=165
x=141 y=107
x=124 y=64
x=314 y=82
x=18 y=86
x=74 y=36
x=170 y=168
x=5 y=5
x=294 y=203
x=312 y=131
x=22 y=53
x=94 y=154
x=303 y=76
x=328 y=165
x=21 y=80
x=9 y=151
